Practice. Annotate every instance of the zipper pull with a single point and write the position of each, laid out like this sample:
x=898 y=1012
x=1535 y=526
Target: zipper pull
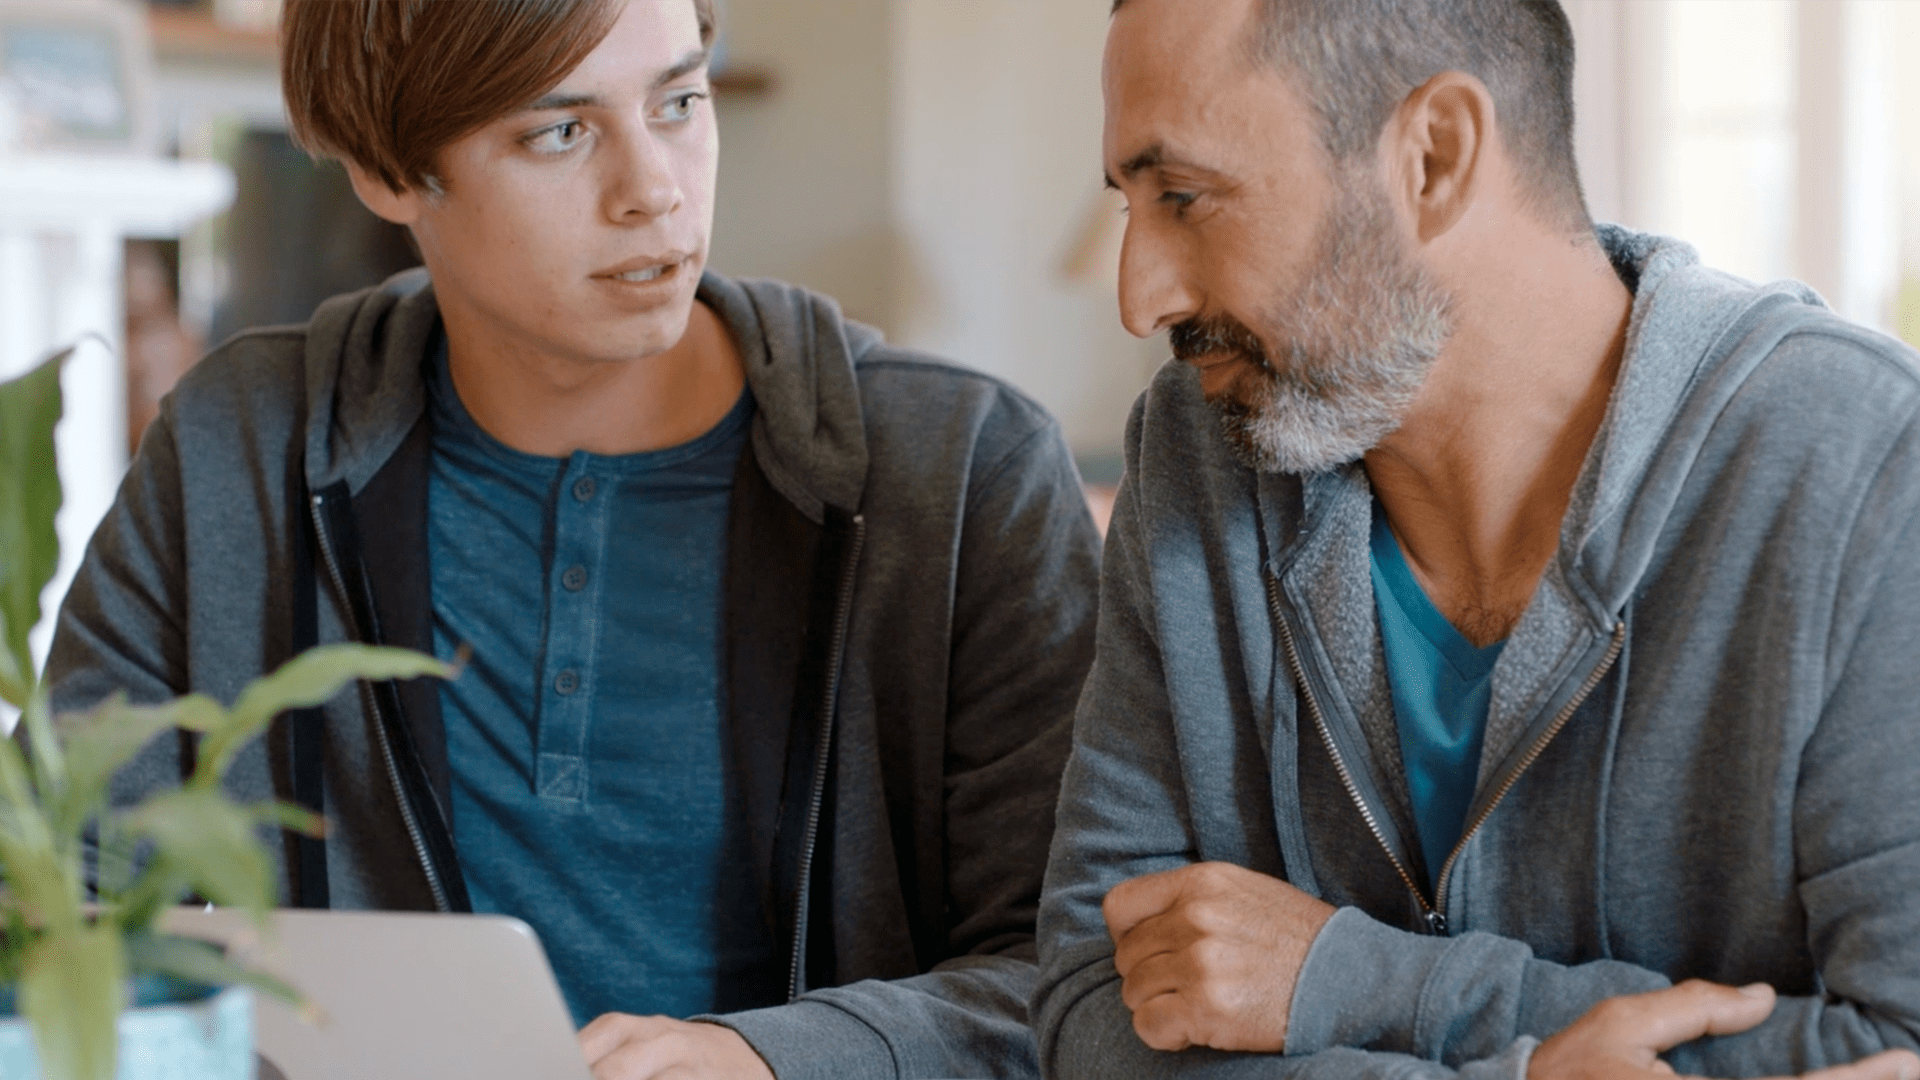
x=1436 y=923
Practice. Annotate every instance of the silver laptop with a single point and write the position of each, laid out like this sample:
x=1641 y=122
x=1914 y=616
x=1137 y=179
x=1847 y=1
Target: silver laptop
x=401 y=995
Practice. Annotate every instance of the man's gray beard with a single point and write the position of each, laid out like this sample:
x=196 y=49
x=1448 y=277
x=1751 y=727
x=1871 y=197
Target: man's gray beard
x=1360 y=337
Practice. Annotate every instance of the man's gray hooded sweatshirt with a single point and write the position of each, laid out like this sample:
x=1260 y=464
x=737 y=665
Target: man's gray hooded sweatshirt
x=1702 y=757
x=909 y=601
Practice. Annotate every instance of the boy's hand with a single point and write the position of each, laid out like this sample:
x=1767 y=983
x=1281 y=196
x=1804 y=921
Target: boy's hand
x=621 y=1047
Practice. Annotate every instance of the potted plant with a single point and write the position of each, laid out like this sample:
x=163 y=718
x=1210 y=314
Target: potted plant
x=89 y=989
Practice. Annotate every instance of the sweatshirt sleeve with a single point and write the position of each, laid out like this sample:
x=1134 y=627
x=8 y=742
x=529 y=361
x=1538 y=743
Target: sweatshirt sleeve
x=1025 y=597
x=1856 y=820
x=122 y=626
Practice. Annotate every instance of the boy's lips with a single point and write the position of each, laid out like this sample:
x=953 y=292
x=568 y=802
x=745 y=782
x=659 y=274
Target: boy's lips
x=645 y=268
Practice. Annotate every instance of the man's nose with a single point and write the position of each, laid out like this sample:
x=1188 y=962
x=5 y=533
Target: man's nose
x=1155 y=292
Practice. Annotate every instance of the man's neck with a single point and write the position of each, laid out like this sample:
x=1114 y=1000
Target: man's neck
x=553 y=406
x=1476 y=481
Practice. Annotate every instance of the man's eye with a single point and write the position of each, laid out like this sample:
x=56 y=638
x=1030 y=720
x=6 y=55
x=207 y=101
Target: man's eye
x=557 y=139
x=680 y=107
x=1179 y=200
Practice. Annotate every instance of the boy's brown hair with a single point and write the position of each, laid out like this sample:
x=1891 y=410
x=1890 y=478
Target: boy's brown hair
x=387 y=84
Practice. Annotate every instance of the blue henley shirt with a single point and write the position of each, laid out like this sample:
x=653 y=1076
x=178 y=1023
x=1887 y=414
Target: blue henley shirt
x=591 y=796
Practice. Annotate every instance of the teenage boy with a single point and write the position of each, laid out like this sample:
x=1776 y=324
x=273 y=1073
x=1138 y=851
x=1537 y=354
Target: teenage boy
x=776 y=630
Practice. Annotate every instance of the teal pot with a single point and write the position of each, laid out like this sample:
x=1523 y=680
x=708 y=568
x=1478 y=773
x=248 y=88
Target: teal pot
x=208 y=1037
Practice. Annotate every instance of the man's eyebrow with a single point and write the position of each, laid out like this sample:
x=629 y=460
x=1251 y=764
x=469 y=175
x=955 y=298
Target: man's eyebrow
x=687 y=64
x=1156 y=157
x=1151 y=158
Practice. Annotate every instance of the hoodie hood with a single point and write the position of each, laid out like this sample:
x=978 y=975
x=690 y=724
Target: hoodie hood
x=365 y=392
x=1686 y=323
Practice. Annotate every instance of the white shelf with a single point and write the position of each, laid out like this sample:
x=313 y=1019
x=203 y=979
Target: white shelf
x=63 y=221
x=139 y=196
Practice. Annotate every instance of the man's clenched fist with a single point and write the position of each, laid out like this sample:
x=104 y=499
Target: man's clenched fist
x=1208 y=955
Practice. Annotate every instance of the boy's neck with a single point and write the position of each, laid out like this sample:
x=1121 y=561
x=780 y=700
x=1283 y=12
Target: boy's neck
x=553 y=406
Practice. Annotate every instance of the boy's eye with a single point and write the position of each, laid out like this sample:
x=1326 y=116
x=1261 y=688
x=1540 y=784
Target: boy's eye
x=557 y=139
x=680 y=107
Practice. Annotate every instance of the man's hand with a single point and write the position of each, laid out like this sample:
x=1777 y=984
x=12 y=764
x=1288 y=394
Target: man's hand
x=621 y=1047
x=1622 y=1038
x=1208 y=955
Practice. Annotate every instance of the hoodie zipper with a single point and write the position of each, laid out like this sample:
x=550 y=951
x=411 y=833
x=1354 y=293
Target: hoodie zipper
x=1533 y=754
x=1339 y=763
x=372 y=704
x=843 y=613
x=1433 y=913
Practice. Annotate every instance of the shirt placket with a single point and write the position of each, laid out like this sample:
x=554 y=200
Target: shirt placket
x=573 y=588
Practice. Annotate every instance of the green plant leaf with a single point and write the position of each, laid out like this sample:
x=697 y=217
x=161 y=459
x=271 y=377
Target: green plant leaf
x=71 y=993
x=208 y=844
x=195 y=712
x=14 y=684
x=29 y=499
x=310 y=679
x=290 y=817
x=99 y=741
x=37 y=878
x=199 y=962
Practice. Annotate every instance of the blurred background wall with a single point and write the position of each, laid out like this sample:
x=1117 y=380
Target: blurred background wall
x=934 y=164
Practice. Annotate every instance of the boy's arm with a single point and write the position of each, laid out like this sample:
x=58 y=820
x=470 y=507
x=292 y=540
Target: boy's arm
x=1025 y=597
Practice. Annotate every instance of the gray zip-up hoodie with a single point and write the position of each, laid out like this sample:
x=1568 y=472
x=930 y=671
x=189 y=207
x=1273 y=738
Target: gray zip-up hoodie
x=909 y=600
x=1702 y=757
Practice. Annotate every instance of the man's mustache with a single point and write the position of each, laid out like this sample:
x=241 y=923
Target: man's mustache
x=1210 y=335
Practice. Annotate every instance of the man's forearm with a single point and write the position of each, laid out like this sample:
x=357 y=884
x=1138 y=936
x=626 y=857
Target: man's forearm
x=1459 y=999
x=1094 y=1038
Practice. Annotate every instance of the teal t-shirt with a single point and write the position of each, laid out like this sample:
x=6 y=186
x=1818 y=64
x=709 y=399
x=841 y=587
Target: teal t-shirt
x=1442 y=685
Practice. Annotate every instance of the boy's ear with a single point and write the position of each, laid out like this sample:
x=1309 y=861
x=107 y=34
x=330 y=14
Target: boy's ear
x=400 y=207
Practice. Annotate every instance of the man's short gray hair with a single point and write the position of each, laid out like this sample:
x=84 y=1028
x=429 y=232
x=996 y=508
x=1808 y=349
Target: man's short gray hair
x=1357 y=60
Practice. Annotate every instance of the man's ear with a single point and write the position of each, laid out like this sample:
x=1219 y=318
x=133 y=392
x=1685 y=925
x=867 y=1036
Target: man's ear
x=1439 y=143
x=401 y=207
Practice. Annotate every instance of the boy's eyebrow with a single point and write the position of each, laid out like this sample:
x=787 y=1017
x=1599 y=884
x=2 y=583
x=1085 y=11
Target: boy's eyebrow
x=687 y=64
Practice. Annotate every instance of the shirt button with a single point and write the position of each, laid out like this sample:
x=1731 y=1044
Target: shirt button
x=583 y=489
x=567 y=682
x=575 y=578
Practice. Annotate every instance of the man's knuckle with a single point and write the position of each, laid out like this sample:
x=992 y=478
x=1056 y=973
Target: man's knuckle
x=1207 y=916
x=1210 y=956
x=1160 y=1030
x=1212 y=998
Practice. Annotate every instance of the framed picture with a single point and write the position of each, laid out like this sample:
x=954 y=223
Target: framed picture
x=77 y=74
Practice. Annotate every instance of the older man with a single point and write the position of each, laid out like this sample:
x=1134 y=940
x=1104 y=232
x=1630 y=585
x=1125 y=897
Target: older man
x=1507 y=647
